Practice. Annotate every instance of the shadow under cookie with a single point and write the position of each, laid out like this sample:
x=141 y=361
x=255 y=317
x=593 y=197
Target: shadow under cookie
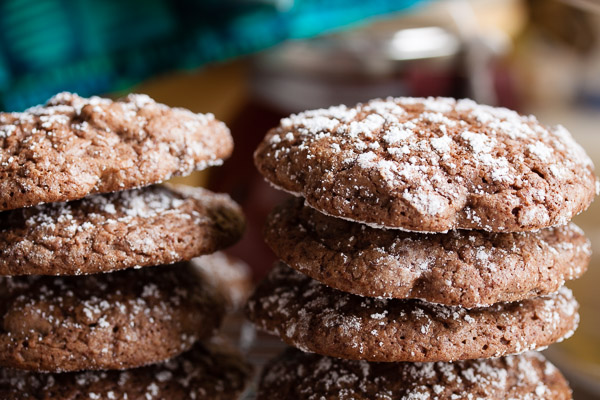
x=121 y=320
x=313 y=317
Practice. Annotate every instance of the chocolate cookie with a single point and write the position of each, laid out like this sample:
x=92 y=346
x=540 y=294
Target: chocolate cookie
x=229 y=275
x=205 y=372
x=430 y=164
x=305 y=376
x=107 y=232
x=72 y=147
x=313 y=317
x=465 y=268
x=121 y=320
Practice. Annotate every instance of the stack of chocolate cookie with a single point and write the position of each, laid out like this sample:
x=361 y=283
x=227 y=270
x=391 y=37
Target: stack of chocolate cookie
x=429 y=243
x=87 y=309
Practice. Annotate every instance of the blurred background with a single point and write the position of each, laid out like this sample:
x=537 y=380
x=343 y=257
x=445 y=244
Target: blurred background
x=251 y=62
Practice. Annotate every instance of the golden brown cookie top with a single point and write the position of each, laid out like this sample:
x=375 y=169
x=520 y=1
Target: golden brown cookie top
x=430 y=164
x=73 y=146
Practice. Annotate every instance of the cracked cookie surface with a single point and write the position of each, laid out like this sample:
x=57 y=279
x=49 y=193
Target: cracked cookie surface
x=305 y=376
x=430 y=165
x=72 y=147
x=459 y=268
x=204 y=373
x=107 y=232
x=120 y=320
x=313 y=317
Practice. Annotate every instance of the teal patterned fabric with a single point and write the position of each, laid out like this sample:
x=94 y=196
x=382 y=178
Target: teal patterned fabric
x=93 y=46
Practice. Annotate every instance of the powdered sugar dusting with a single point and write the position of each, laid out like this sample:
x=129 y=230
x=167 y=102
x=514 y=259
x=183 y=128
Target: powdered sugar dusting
x=427 y=203
x=111 y=314
x=77 y=146
x=315 y=318
x=416 y=150
x=203 y=371
x=314 y=377
x=116 y=231
x=540 y=150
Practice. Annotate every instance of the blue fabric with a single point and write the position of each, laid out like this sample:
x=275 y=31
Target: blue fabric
x=91 y=46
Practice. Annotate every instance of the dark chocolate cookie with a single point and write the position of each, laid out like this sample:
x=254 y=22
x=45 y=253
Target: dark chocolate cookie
x=313 y=317
x=120 y=320
x=108 y=232
x=304 y=376
x=430 y=165
x=72 y=147
x=465 y=268
x=204 y=372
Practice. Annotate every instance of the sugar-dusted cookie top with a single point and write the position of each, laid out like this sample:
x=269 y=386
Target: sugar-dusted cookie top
x=312 y=317
x=430 y=165
x=107 y=232
x=304 y=376
x=72 y=146
x=121 y=320
x=458 y=268
x=206 y=372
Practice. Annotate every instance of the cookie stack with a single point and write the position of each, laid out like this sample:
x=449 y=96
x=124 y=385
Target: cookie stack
x=88 y=310
x=428 y=242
